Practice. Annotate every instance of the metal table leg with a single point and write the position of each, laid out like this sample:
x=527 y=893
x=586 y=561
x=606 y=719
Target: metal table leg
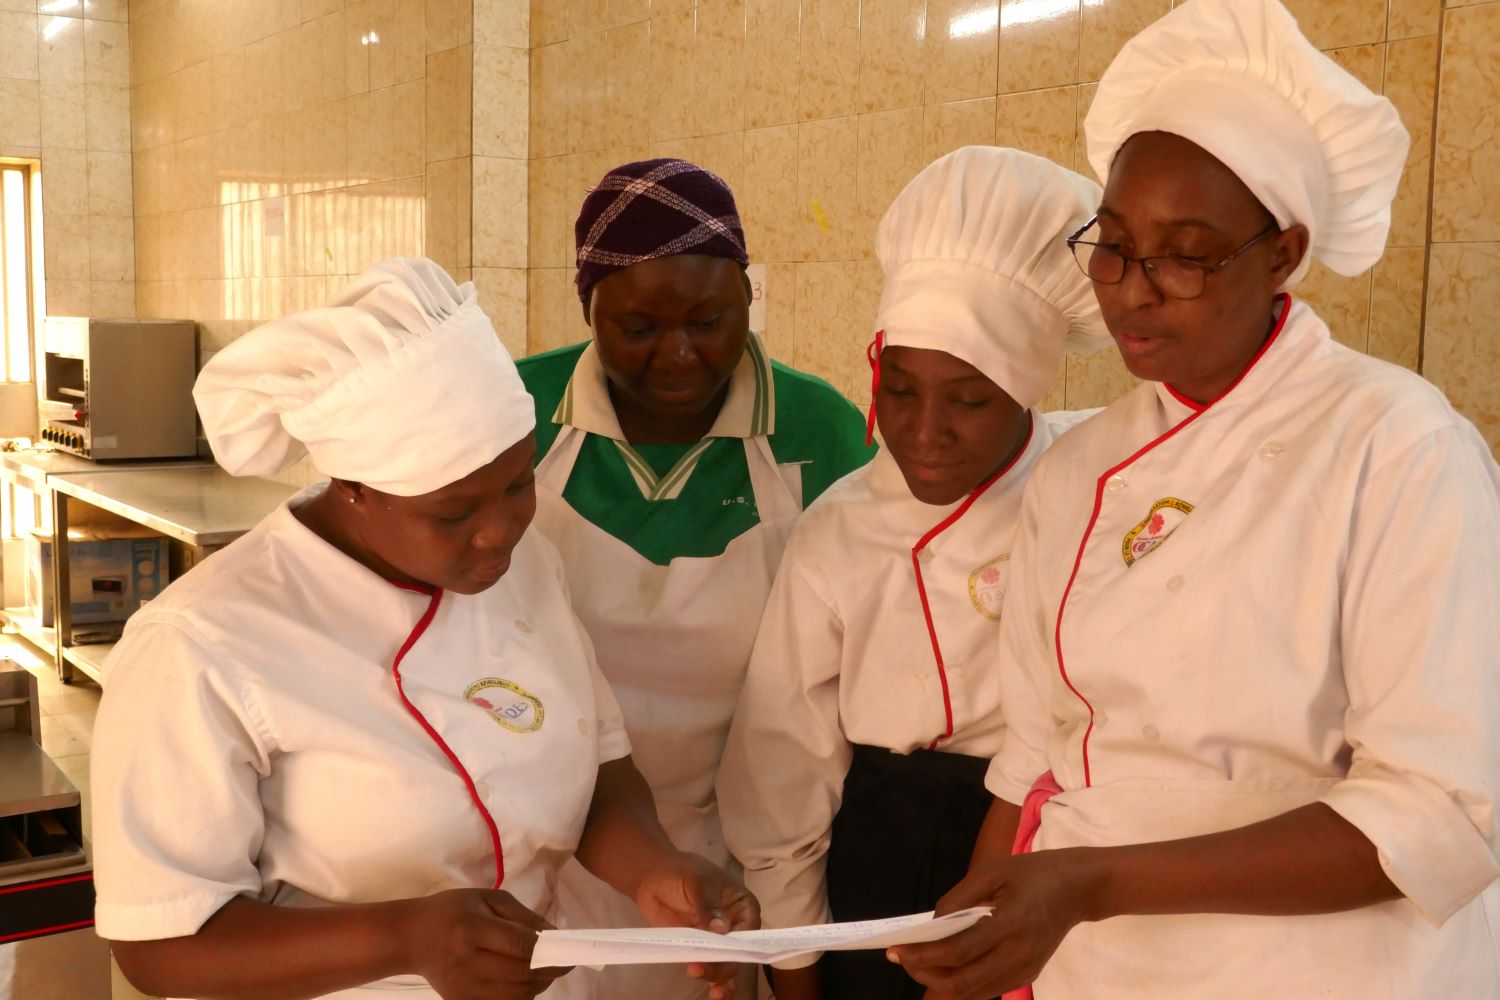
x=62 y=596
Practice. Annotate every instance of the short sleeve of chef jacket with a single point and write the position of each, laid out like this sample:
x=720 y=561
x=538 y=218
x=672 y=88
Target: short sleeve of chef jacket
x=178 y=754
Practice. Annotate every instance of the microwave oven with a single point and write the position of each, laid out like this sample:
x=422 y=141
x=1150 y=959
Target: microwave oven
x=119 y=389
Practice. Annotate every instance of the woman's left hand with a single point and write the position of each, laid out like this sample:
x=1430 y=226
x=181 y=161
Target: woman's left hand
x=1037 y=898
x=685 y=890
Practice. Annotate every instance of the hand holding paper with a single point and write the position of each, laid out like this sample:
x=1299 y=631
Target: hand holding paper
x=672 y=945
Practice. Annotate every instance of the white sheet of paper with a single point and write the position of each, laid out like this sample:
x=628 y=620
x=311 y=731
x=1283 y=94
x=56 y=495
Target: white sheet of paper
x=675 y=945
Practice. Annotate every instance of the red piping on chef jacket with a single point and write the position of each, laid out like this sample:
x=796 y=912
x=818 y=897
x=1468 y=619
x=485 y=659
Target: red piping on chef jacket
x=873 y=354
x=916 y=564
x=436 y=597
x=1198 y=410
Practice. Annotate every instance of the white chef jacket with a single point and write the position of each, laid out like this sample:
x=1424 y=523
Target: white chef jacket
x=1221 y=614
x=851 y=651
x=252 y=739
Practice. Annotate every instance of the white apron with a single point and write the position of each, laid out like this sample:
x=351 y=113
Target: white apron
x=674 y=642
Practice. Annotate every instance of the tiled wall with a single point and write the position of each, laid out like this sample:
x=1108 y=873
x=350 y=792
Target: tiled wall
x=818 y=111
x=64 y=100
x=281 y=145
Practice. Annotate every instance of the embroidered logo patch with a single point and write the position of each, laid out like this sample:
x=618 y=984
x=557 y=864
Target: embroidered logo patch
x=987 y=586
x=1166 y=514
x=507 y=703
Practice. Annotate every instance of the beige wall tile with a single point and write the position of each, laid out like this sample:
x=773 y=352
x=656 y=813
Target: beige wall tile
x=1396 y=306
x=554 y=317
x=1085 y=100
x=332 y=57
x=588 y=93
x=106 y=53
x=18 y=56
x=60 y=53
x=833 y=329
x=450 y=93
x=962 y=123
x=772 y=62
x=1413 y=18
x=62 y=111
x=229 y=82
x=672 y=61
x=450 y=23
x=1343 y=303
x=1107 y=27
x=768 y=200
x=546 y=100
x=449 y=220
x=891 y=151
x=502 y=296
x=1039 y=44
x=109 y=185
x=828 y=81
x=356 y=49
x=1365 y=62
x=107 y=117
x=826 y=203
x=1466 y=181
x=499 y=212
x=630 y=84
x=503 y=22
x=65 y=247
x=401 y=54
x=1411 y=84
x=111 y=249
x=112 y=299
x=892 y=53
x=963 y=49
x=304 y=65
x=501 y=96
x=1459 y=353
x=65 y=182
x=1096 y=379
x=394 y=212
x=719 y=68
x=68 y=298
x=1332 y=24
x=780 y=295
x=314 y=9
x=724 y=154
x=1057 y=396
x=107 y=10
x=548 y=21
x=1044 y=122
x=548 y=209
x=20 y=113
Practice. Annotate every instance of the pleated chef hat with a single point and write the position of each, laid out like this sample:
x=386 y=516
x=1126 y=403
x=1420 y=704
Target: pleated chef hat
x=1237 y=78
x=976 y=265
x=399 y=383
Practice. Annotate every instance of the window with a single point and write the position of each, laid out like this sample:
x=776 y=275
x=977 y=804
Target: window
x=19 y=510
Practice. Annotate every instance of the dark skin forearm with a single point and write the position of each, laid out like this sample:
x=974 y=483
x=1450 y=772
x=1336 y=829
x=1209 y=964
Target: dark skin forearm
x=623 y=839
x=1309 y=860
x=998 y=834
x=256 y=951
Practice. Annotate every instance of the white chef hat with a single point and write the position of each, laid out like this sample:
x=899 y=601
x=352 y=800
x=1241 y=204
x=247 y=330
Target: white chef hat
x=399 y=383
x=977 y=265
x=1237 y=78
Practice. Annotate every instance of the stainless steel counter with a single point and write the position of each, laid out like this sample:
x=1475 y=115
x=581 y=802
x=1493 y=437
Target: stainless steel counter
x=204 y=507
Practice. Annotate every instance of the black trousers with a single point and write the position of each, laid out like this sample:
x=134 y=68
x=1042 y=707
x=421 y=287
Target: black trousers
x=900 y=841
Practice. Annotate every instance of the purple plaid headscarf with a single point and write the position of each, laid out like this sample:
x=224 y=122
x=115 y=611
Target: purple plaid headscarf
x=654 y=208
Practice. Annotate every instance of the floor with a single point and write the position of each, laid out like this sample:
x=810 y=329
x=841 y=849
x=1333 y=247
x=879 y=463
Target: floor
x=72 y=966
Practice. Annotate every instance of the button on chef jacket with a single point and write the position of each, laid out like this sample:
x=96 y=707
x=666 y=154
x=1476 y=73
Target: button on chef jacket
x=1220 y=614
x=844 y=656
x=252 y=741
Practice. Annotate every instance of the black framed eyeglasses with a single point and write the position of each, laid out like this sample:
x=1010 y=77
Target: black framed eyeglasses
x=1173 y=277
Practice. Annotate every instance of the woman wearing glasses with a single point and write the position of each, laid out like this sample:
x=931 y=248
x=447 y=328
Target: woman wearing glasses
x=1250 y=746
